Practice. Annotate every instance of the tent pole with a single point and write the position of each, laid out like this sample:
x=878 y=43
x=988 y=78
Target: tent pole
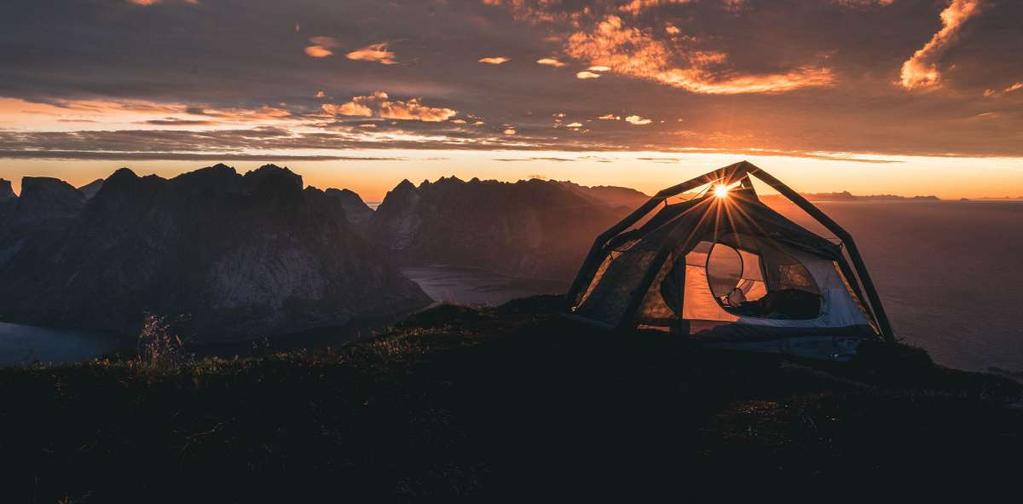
x=597 y=252
x=842 y=234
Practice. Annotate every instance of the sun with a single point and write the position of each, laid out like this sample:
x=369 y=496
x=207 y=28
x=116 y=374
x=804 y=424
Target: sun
x=721 y=191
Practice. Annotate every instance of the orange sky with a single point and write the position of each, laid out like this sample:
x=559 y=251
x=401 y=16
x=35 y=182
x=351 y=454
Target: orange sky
x=948 y=178
x=871 y=96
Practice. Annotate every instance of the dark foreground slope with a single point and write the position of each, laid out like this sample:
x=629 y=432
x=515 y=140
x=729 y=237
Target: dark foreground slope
x=501 y=402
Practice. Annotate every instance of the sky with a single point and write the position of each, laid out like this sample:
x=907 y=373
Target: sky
x=872 y=96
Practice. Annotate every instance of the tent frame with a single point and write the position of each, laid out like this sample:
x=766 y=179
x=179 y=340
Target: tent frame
x=738 y=172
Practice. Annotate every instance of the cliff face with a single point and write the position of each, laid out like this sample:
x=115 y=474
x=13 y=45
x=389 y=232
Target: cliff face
x=240 y=256
x=536 y=229
x=6 y=192
x=7 y=201
x=356 y=211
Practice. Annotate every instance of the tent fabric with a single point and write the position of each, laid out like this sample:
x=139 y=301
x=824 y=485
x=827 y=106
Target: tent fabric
x=655 y=273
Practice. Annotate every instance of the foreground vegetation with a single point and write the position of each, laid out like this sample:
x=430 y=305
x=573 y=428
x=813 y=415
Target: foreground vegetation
x=495 y=402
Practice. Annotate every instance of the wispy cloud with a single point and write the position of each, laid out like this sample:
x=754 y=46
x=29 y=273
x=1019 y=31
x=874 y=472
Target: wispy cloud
x=377 y=53
x=494 y=60
x=921 y=70
x=379 y=104
x=630 y=51
x=552 y=62
x=586 y=74
x=147 y=3
x=637 y=6
x=636 y=120
x=320 y=47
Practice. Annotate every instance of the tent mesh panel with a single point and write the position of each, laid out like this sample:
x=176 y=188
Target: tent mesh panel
x=611 y=293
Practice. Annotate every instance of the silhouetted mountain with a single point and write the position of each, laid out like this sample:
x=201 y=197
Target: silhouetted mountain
x=44 y=198
x=535 y=228
x=356 y=210
x=89 y=190
x=848 y=196
x=241 y=256
x=6 y=192
x=7 y=201
x=610 y=195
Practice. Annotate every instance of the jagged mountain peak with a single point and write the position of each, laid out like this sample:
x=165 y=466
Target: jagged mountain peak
x=6 y=191
x=50 y=184
x=91 y=189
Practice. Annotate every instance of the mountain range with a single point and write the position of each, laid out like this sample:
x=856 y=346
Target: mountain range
x=258 y=254
x=239 y=256
x=534 y=228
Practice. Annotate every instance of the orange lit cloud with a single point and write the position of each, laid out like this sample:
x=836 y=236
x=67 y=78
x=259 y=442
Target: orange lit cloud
x=321 y=47
x=633 y=52
x=377 y=53
x=379 y=104
x=495 y=60
x=991 y=93
x=587 y=75
x=638 y=6
x=610 y=117
x=318 y=52
x=550 y=62
x=636 y=120
x=147 y=3
x=921 y=70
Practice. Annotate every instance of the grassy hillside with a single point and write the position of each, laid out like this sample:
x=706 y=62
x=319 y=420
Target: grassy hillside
x=496 y=402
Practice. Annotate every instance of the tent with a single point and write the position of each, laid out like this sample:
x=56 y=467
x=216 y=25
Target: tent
x=724 y=268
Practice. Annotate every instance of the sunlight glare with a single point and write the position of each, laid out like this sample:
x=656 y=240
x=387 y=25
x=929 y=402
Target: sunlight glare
x=721 y=191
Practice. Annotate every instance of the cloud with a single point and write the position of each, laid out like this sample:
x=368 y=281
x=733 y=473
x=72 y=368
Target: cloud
x=510 y=131
x=494 y=60
x=379 y=104
x=179 y=156
x=586 y=74
x=316 y=51
x=170 y=121
x=637 y=6
x=610 y=117
x=599 y=68
x=921 y=70
x=991 y=93
x=321 y=47
x=574 y=125
x=377 y=53
x=550 y=62
x=633 y=52
x=147 y=3
x=636 y=120
x=864 y=3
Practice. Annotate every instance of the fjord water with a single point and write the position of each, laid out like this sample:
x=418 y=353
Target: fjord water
x=950 y=273
x=24 y=344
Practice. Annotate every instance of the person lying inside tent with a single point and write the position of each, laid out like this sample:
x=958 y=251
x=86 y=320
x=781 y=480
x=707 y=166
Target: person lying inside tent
x=791 y=304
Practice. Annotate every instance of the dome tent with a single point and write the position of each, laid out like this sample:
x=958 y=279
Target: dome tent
x=726 y=269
